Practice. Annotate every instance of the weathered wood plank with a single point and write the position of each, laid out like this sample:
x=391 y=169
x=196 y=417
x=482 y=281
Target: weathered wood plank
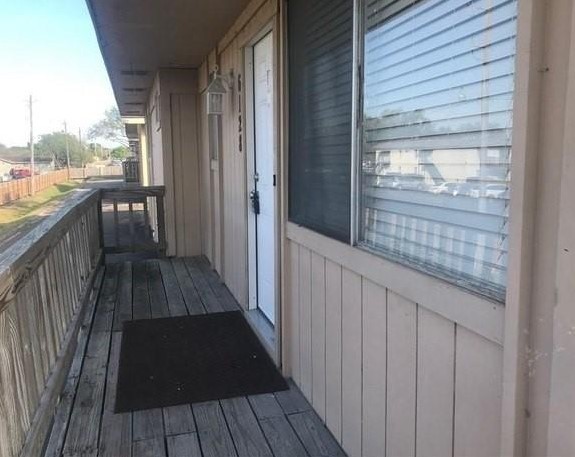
x=265 y=406
x=209 y=299
x=64 y=408
x=153 y=447
x=148 y=424
x=186 y=445
x=141 y=298
x=116 y=435
x=124 y=302
x=83 y=433
x=84 y=429
x=187 y=287
x=215 y=439
x=246 y=433
x=104 y=316
x=223 y=294
x=158 y=300
x=292 y=400
x=179 y=420
x=282 y=438
x=315 y=437
x=176 y=302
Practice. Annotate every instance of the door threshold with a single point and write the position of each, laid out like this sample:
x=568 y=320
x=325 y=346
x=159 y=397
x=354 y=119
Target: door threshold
x=264 y=329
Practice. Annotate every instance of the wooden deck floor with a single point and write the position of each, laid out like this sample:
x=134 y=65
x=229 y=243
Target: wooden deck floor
x=282 y=424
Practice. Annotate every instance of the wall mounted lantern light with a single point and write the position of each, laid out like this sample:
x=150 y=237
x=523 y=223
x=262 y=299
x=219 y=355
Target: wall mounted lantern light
x=215 y=93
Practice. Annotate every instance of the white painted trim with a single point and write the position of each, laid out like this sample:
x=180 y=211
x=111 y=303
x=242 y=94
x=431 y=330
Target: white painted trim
x=464 y=308
x=250 y=152
x=270 y=28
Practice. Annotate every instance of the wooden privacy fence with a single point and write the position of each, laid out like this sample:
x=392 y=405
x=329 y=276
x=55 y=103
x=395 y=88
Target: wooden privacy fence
x=20 y=188
x=95 y=172
x=46 y=281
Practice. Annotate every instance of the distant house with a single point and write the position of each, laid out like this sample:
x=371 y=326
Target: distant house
x=41 y=165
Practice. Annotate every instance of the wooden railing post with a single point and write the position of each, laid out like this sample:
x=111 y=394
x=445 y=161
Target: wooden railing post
x=162 y=244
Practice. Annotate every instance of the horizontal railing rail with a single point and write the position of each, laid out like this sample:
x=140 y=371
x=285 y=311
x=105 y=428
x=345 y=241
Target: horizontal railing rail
x=46 y=279
x=133 y=220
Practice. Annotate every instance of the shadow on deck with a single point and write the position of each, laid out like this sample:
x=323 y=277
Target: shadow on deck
x=279 y=424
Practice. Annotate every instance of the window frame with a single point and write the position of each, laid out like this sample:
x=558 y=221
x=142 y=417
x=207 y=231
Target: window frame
x=356 y=226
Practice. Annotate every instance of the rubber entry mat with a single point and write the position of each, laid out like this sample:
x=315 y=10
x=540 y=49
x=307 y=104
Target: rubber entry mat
x=179 y=360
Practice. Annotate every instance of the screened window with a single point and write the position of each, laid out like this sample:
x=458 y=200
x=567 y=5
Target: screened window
x=320 y=83
x=436 y=136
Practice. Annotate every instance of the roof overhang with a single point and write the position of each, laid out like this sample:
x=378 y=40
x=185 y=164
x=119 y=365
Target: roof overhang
x=138 y=37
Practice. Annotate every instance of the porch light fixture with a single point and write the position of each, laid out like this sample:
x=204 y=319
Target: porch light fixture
x=215 y=93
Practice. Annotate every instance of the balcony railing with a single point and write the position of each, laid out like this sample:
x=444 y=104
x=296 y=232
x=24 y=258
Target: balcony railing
x=47 y=279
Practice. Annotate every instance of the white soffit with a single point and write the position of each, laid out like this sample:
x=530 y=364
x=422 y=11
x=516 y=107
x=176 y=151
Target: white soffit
x=138 y=37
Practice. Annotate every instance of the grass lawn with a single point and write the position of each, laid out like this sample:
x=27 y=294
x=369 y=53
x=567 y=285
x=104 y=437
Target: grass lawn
x=25 y=210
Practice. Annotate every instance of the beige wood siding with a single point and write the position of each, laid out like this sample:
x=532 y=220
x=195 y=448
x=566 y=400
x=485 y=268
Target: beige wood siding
x=390 y=376
x=174 y=152
x=185 y=175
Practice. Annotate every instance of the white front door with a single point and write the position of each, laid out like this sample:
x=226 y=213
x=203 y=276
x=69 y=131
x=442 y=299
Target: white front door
x=264 y=180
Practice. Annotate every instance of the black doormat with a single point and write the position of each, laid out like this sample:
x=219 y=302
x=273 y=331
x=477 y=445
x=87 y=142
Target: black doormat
x=174 y=361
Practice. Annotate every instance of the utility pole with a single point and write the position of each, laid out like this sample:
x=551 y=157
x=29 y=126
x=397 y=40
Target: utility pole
x=81 y=146
x=67 y=148
x=32 y=168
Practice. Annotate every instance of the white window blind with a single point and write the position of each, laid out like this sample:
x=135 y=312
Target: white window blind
x=437 y=116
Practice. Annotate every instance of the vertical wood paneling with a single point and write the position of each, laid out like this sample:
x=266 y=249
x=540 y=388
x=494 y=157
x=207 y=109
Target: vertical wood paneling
x=351 y=311
x=234 y=185
x=435 y=374
x=478 y=387
x=401 y=375
x=389 y=381
x=333 y=347
x=318 y=332
x=305 y=322
x=374 y=368
x=293 y=312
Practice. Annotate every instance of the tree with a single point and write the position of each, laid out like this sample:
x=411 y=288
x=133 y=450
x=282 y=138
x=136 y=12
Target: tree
x=120 y=153
x=110 y=128
x=53 y=145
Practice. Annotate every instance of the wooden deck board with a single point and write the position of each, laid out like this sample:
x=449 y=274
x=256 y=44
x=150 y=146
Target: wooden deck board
x=269 y=425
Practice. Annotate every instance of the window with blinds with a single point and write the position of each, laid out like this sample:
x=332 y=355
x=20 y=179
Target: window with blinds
x=320 y=34
x=436 y=154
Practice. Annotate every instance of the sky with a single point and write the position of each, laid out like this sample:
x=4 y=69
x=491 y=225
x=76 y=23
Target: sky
x=48 y=49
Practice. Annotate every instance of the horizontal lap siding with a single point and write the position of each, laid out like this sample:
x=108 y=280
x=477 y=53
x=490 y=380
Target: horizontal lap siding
x=388 y=376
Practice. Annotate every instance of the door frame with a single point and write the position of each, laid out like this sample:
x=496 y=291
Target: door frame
x=274 y=345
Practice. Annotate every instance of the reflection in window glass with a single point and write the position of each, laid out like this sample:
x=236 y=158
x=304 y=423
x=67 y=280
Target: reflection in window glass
x=437 y=116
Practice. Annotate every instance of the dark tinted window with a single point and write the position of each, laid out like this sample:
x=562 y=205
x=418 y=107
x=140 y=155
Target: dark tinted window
x=320 y=63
